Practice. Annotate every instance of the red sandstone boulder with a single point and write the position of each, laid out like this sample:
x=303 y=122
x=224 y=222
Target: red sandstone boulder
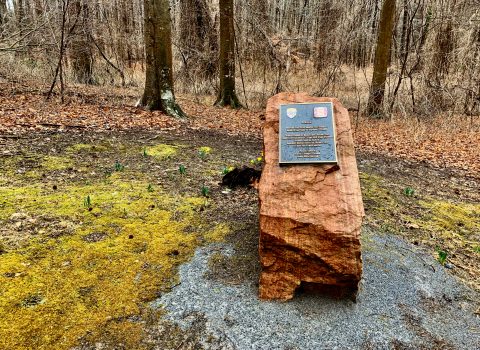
x=310 y=215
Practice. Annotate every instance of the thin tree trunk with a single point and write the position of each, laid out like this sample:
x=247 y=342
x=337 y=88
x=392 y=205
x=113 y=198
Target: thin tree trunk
x=227 y=95
x=19 y=10
x=382 y=59
x=158 y=94
x=80 y=45
x=444 y=45
x=59 y=69
x=197 y=36
x=328 y=20
x=19 y=13
x=402 y=51
x=129 y=31
x=404 y=54
x=3 y=12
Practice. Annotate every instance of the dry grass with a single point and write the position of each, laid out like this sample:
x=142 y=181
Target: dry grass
x=256 y=82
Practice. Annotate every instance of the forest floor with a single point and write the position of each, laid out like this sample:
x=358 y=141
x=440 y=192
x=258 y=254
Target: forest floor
x=86 y=186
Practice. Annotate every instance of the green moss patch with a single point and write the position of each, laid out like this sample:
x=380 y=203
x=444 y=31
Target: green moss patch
x=86 y=148
x=392 y=207
x=77 y=273
x=205 y=150
x=450 y=218
x=92 y=280
x=377 y=197
x=56 y=163
x=161 y=151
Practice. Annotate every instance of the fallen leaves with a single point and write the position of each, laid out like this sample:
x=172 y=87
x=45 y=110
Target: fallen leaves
x=452 y=142
x=454 y=145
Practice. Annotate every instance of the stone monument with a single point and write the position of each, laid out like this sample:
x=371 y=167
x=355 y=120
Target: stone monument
x=311 y=207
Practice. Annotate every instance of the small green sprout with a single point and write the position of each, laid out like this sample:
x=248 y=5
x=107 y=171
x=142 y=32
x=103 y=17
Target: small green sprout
x=119 y=166
x=408 y=191
x=150 y=188
x=203 y=152
x=145 y=154
x=442 y=256
x=182 y=170
x=87 y=202
x=227 y=169
x=257 y=161
x=476 y=249
x=205 y=191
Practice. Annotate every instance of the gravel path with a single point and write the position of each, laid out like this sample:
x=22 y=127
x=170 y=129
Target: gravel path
x=407 y=301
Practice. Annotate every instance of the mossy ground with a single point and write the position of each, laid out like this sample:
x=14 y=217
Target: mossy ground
x=160 y=151
x=77 y=272
x=86 y=244
x=445 y=222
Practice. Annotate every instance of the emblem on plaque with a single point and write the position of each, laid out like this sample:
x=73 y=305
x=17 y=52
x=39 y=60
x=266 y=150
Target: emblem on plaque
x=320 y=112
x=291 y=112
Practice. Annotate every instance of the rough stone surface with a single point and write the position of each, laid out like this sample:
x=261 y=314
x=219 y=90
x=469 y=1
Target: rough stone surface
x=310 y=215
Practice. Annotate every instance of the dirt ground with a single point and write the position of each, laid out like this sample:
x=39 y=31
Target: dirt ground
x=96 y=222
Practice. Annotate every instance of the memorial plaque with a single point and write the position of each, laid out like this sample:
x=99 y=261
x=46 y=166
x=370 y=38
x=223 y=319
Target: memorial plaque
x=307 y=133
x=310 y=214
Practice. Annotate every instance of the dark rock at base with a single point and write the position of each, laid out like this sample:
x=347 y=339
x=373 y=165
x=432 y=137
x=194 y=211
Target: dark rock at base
x=241 y=177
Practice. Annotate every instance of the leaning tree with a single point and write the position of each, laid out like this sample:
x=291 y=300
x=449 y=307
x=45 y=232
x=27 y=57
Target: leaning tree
x=158 y=93
x=382 y=58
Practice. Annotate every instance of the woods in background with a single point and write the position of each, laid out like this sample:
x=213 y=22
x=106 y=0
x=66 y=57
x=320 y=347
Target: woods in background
x=430 y=66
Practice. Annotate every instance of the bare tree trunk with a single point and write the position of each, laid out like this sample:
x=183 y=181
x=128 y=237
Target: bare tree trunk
x=59 y=69
x=444 y=45
x=3 y=12
x=227 y=95
x=19 y=12
x=328 y=20
x=129 y=22
x=80 y=46
x=402 y=52
x=197 y=34
x=382 y=59
x=158 y=94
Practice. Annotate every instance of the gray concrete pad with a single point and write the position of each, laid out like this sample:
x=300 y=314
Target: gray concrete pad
x=407 y=301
